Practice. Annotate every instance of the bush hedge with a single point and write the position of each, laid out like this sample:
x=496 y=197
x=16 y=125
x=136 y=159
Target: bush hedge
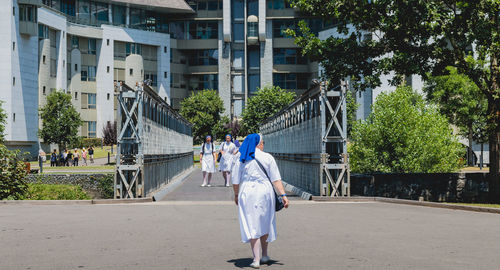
x=12 y=174
x=55 y=192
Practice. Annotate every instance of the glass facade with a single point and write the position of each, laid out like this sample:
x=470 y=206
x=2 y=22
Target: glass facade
x=291 y=81
x=204 y=81
x=286 y=56
x=203 y=30
x=278 y=4
x=91 y=101
x=203 y=57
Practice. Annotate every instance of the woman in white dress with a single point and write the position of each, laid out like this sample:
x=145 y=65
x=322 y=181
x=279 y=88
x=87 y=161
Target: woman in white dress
x=254 y=195
x=207 y=160
x=227 y=150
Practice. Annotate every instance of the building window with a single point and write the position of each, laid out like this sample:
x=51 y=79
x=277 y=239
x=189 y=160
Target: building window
x=279 y=27
x=14 y=117
x=206 y=5
x=91 y=101
x=133 y=48
x=91 y=128
x=88 y=73
x=119 y=15
x=203 y=30
x=107 y=69
x=13 y=80
x=107 y=42
x=43 y=59
x=43 y=31
x=108 y=96
x=278 y=4
x=283 y=56
x=151 y=78
x=254 y=58
x=76 y=95
x=291 y=81
x=68 y=7
x=92 y=46
x=13 y=11
x=13 y=46
x=28 y=13
x=43 y=90
x=237 y=9
x=131 y=72
x=165 y=49
x=203 y=57
x=75 y=42
x=76 y=67
x=238 y=32
x=165 y=74
x=205 y=81
x=253 y=83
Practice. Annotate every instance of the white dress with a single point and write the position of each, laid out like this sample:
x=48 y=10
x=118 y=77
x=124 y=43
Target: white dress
x=208 y=162
x=256 y=197
x=226 y=160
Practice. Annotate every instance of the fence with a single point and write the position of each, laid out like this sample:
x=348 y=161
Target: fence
x=309 y=141
x=155 y=143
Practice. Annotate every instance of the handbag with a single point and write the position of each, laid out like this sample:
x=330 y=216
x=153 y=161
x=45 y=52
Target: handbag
x=219 y=156
x=279 y=204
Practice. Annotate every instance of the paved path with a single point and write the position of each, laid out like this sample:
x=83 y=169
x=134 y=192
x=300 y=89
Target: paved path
x=204 y=234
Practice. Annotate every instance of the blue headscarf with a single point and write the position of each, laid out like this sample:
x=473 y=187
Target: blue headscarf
x=247 y=148
x=208 y=136
x=229 y=137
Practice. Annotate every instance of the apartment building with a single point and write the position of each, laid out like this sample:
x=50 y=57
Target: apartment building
x=84 y=47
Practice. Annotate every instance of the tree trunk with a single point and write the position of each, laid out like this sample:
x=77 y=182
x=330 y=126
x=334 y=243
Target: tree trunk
x=470 y=153
x=495 y=164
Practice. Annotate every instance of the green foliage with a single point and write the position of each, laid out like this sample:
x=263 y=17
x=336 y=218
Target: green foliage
x=12 y=174
x=461 y=101
x=109 y=134
x=105 y=185
x=266 y=102
x=87 y=142
x=352 y=107
x=60 y=120
x=203 y=110
x=403 y=135
x=40 y=191
x=3 y=121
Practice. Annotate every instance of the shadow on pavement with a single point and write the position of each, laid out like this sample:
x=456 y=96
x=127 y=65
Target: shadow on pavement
x=245 y=262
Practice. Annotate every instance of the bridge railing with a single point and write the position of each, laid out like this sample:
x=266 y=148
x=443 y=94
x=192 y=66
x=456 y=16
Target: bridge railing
x=155 y=143
x=309 y=141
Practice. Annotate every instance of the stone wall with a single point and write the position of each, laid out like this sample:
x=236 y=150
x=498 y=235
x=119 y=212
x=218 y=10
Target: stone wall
x=437 y=187
x=99 y=186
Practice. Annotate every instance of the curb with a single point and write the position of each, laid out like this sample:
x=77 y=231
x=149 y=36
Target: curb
x=172 y=185
x=298 y=191
x=408 y=202
x=76 y=202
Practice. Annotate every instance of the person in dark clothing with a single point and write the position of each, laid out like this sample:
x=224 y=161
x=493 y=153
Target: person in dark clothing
x=91 y=154
x=69 y=159
x=53 y=159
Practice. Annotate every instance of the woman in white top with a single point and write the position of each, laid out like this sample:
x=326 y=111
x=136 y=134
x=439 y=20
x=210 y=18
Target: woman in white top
x=207 y=160
x=254 y=195
x=227 y=150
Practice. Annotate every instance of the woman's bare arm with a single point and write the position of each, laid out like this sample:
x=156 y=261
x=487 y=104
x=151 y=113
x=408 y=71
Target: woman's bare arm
x=278 y=185
x=236 y=189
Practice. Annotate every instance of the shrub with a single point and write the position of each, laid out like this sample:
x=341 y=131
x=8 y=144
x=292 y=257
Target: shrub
x=403 y=134
x=91 y=142
x=55 y=192
x=12 y=174
x=105 y=186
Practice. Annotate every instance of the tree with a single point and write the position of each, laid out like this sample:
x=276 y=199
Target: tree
x=267 y=101
x=60 y=120
x=462 y=102
x=3 y=120
x=351 y=107
x=403 y=135
x=203 y=110
x=109 y=134
x=226 y=126
x=12 y=183
x=412 y=37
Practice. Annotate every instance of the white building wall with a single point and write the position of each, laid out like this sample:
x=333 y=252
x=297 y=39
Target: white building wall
x=163 y=62
x=104 y=83
x=224 y=70
x=7 y=36
x=266 y=56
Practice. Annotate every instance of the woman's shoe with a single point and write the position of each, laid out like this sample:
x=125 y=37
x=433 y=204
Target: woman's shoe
x=255 y=265
x=203 y=185
x=209 y=185
x=265 y=259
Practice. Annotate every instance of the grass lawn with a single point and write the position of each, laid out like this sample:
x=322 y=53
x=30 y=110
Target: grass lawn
x=98 y=153
x=479 y=204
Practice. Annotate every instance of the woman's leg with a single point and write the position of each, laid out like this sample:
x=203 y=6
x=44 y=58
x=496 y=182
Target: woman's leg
x=209 y=177
x=265 y=244
x=255 y=244
x=204 y=179
x=224 y=175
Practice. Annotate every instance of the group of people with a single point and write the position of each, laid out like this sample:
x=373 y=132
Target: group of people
x=256 y=183
x=71 y=158
x=228 y=152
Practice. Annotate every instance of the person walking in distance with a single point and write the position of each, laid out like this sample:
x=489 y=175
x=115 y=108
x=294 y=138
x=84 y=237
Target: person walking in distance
x=255 y=176
x=91 y=154
x=75 y=158
x=207 y=160
x=53 y=159
x=84 y=156
x=227 y=149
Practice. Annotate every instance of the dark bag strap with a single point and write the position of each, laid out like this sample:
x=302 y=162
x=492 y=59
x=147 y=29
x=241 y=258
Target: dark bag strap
x=265 y=172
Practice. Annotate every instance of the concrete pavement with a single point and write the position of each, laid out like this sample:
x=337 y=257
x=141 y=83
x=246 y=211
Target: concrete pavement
x=204 y=234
